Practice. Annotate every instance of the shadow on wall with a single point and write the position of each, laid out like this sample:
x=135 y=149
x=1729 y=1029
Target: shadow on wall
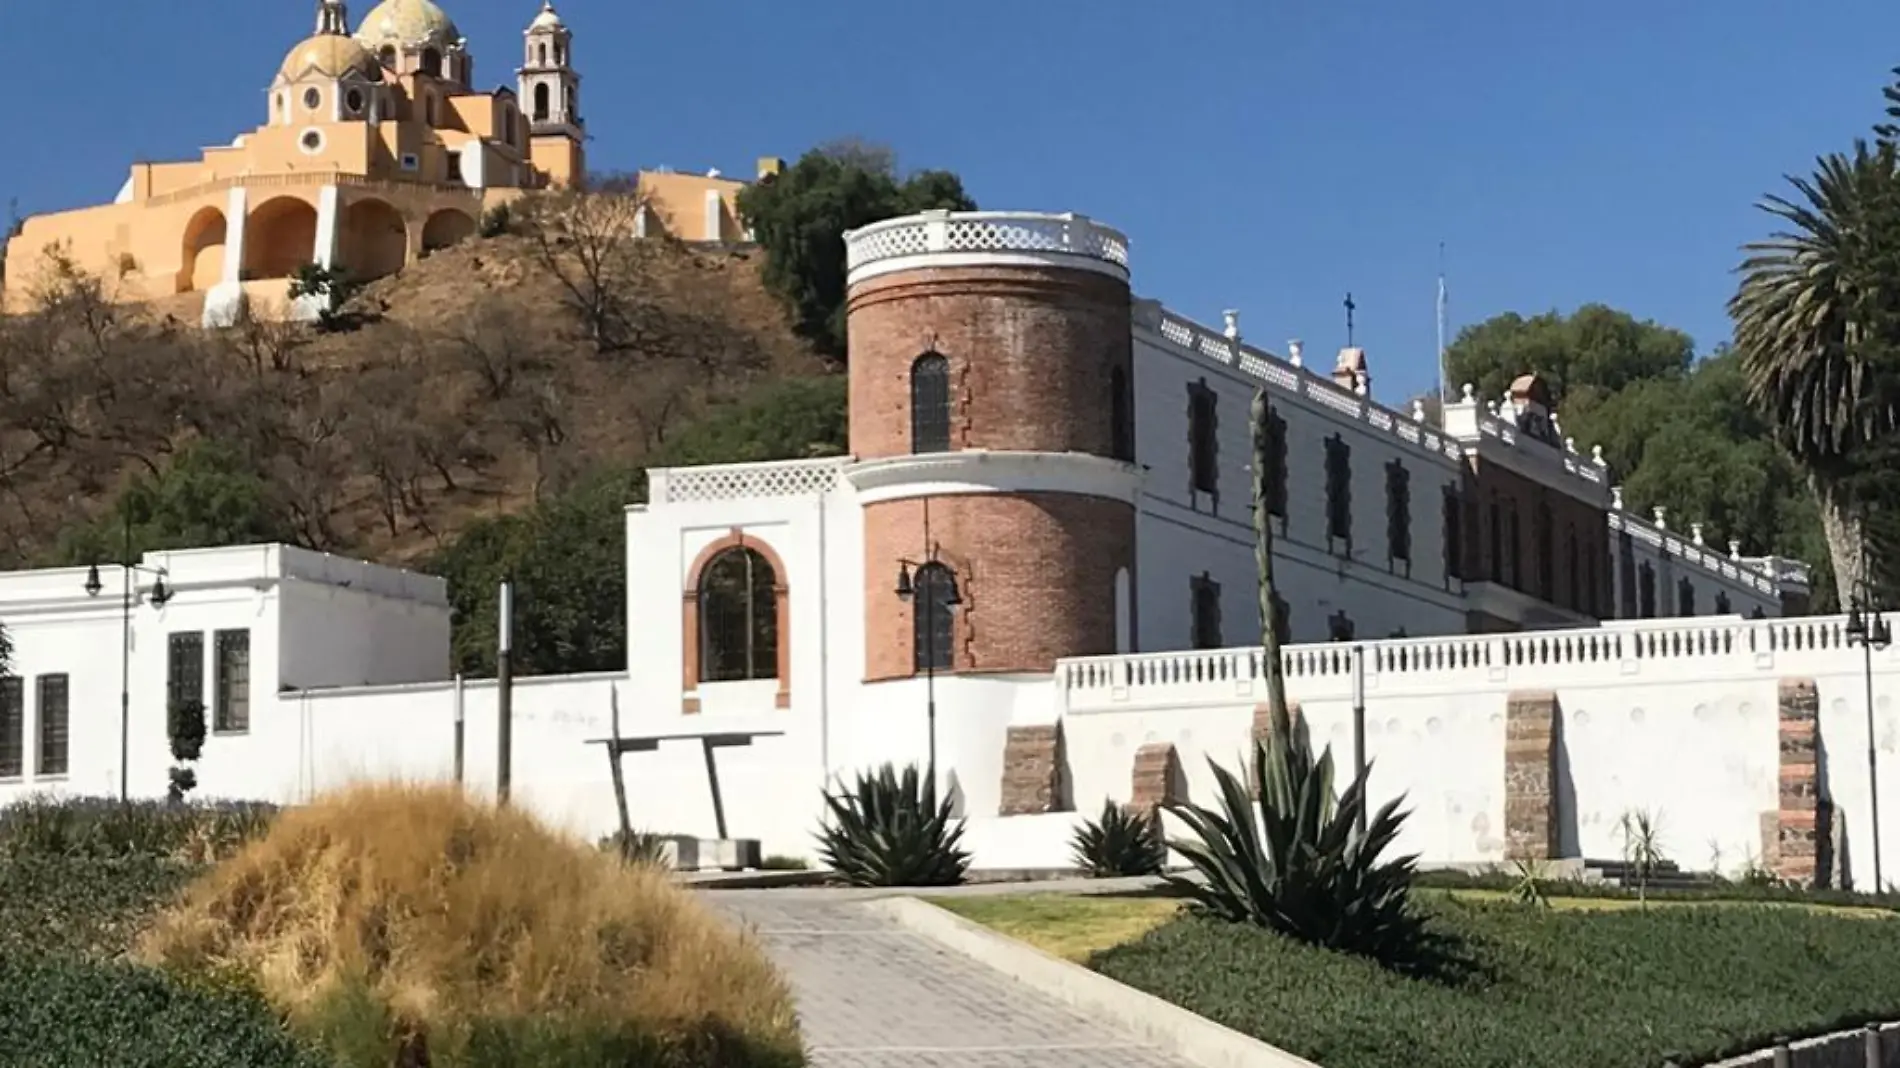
x=1828 y=845
x=1569 y=835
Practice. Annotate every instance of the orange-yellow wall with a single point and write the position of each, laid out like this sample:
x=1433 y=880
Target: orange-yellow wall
x=680 y=201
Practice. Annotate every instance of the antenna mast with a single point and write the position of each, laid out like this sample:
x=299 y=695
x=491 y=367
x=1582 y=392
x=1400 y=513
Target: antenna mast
x=1442 y=304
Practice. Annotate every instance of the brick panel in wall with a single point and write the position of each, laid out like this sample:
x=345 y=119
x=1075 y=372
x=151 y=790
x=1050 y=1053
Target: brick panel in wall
x=1801 y=829
x=1035 y=572
x=1033 y=772
x=1158 y=779
x=1030 y=352
x=1530 y=776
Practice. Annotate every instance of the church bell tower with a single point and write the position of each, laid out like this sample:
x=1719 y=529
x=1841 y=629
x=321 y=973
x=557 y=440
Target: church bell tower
x=551 y=97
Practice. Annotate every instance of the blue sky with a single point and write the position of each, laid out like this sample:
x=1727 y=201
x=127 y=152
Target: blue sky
x=1265 y=156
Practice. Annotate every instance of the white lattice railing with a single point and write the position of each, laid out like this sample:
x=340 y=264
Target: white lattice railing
x=985 y=231
x=725 y=482
x=1697 y=649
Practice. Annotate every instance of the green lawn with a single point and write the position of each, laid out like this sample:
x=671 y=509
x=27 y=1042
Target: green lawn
x=1587 y=983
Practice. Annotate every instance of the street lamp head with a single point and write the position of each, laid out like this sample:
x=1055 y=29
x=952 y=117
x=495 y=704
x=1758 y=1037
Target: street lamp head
x=93 y=585
x=904 y=587
x=1882 y=635
x=1856 y=626
x=160 y=593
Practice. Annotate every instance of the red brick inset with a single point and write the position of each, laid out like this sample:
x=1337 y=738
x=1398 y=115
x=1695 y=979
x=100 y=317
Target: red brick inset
x=1158 y=779
x=1530 y=776
x=1035 y=574
x=1801 y=817
x=781 y=595
x=1263 y=730
x=1033 y=770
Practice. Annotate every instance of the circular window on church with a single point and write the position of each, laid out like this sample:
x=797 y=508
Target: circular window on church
x=311 y=141
x=312 y=97
x=354 y=101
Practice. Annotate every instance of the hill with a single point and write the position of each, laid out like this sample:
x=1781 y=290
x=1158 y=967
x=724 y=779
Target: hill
x=473 y=384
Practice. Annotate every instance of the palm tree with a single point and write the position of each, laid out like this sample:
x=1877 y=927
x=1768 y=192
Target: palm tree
x=1817 y=325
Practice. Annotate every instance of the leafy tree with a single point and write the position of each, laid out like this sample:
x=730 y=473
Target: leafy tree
x=208 y=496
x=567 y=556
x=1597 y=348
x=800 y=218
x=1817 y=322
x=333 y=286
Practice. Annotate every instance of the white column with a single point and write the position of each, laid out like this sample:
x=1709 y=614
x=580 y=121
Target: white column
x=715 y=214
x=329 y=202
x=236 y=207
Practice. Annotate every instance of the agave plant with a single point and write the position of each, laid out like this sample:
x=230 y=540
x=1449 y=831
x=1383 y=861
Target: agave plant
x=1301 y=866
x=890 y=830
x=643 y=848
x=1121 y=843
x=1527 y=886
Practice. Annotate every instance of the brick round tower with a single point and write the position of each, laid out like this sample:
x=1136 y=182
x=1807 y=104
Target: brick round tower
x=992 y=416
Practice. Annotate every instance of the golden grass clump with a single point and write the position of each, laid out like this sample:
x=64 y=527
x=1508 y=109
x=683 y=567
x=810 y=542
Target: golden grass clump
x=434 y=919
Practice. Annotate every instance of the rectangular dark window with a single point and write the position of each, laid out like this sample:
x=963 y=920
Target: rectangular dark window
x=1722 y=607
x=1544 y=539
x=1205 y=595
x=1497 y=540
x=12 y=727
x=1514 y=542
x=1626 y=572
x=54 y=757
x=1339 y=491
x=185 y=668
x=231 y=677
x=1276 y=464
x=1685 y=597
x=1646 y=592
x=1398 y=512
x=1282 y=620
x=1203 y=439
x=1121 y=407
x=1573 y=568
x=930 y=403
x=1454 y=534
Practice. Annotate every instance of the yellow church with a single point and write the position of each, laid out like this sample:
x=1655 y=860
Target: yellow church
x=377 y=149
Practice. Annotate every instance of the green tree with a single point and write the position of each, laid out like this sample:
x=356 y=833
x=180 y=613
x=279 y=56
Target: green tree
x=208 y=496
x=800 y=218
x=567 y=556
x=1817 y=323
x=1596 y=350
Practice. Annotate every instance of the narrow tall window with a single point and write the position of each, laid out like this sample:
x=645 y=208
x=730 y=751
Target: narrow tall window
x=231 y=682
x=1514 y=541
x=1121 y=407
x=1454 y=534
x=1685 y=597
x=1573 y=567
x=738 y=617
x=185 y=668
x=1282 y=620
x=54 y=756
x=541 y=102
x=1497 y=540
x=1646 y=592
x=1626 y=571
x=1398 y=512
x=1722 y=606
x=432 y=62
x=930 y=404
x=933 y=619
x=1205 y=596
x=1203 y=439
x=1544 y=537
x=1276 y=464
x=1339 y=492
x=12 y=727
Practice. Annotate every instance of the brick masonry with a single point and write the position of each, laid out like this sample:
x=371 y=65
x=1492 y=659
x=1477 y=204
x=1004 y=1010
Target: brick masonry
x=1801 y=820
x=1158 y=779
x=1031 y=351
x=1033 y=772
x=1530 y=776
x=1035 y=573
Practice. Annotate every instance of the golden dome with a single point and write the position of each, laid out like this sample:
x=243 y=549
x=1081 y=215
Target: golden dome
x=407 y=22
x=330 y=56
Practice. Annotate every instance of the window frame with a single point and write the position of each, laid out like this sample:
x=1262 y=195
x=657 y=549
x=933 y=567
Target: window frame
x=1398 y=513
x=47 y=740
x=227 y=692
x=1338 y=493
x=1203 y=439
x=930 y=415
x=1121 y=416
x=12 y=727
x=1204 y=613
x=933 y=625
x=180 y=685
x=758 y=605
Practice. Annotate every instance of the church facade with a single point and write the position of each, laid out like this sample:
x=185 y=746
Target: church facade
x=377 y=148
x=1036 y=572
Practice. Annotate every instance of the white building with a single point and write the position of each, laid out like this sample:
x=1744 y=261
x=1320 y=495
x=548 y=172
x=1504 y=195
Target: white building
x=1037 y=563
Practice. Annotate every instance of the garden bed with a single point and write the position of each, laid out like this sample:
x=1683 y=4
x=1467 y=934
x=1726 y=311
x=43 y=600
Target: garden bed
x=1588 y=983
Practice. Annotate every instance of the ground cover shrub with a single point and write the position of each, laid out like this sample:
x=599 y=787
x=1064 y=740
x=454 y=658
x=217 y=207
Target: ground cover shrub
x=1121 y=843
x=889 y=829
x=1546 y=988
x=412 y=925
x=78 y=905
x=196 y=833
x=63 y=1012
x=1733 y=890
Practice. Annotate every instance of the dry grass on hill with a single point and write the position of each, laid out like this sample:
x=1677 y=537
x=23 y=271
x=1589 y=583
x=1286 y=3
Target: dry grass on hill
x=433 y=921
x=473 y=382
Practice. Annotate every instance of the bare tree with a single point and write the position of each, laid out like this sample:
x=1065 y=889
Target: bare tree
x=584 y=240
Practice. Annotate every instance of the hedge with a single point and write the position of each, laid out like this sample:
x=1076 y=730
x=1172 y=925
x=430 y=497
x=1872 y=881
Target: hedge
x=1452 y=879
x=68 y=1013
x=82 y=905
x=197 y=833
x=1540 y=988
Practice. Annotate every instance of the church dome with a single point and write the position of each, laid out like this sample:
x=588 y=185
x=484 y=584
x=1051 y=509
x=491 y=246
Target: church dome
x=548 y=19
x=406 y=23
x=330 y=55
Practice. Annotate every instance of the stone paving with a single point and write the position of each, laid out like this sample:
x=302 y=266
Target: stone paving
x=872 y=994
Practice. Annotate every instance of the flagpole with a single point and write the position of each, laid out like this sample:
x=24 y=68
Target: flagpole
x=1442 y=396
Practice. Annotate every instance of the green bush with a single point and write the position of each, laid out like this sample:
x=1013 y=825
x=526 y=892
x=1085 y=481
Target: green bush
x=43 y=826
x=66 y=1013
x=1547 y=988
x=1302 y=866
x=1120 y=844
x=1736 y=891
x=890 y=830
x=81 y=905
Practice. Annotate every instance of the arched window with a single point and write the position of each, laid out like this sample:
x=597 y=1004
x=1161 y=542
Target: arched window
x=930 y=404
x=1121 y=414
x=933 y=620
x=544 y=54
x=432 y=63
x=738 y=617
x=388 y=56
x=541 y=102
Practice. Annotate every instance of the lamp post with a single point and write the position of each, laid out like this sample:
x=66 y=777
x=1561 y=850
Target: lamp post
x=1867 y=628
x=128 y=570
x=927 y=588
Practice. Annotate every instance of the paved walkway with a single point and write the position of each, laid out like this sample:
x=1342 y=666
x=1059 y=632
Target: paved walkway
x=871 y=994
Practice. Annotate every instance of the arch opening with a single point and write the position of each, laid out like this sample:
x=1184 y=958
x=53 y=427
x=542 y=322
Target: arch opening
x=432 y=63
x=930 y=404
x=201 y=262
x=446 y=227
x=738 y=617
x=375 y=239
x=541 y=102
x=280 y=237
x=934 y=621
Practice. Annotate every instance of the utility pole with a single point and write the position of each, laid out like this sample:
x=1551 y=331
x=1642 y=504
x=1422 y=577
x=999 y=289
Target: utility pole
x=505 y=694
